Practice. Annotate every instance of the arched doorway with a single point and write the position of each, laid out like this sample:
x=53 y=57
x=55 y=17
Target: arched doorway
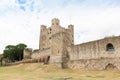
x=46 y=61
x=110 y=47
x=110 y=67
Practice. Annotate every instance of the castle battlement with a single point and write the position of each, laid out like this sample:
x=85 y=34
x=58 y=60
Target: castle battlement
x=55 y=22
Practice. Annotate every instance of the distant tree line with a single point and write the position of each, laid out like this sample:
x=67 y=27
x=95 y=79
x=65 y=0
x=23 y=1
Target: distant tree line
x=14 y=52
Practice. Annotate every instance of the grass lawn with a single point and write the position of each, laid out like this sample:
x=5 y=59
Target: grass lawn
x=37 y=71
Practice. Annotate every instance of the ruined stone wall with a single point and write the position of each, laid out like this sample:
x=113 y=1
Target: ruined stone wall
x=40 y=53
x=70 y=33
x=95 y=64
x=56 y=45
x=56 y=48
x=95 y=49
x=27 y=53
x=44 y=39
x=60 y=42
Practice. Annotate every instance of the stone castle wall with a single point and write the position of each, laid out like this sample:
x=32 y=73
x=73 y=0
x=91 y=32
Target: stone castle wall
x=57 y=43
x=95 y=49
x=95 y=64
x=27 y=53
x=41 y=53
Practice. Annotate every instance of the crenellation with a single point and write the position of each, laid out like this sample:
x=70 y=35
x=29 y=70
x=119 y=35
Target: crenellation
x=71 y=27
x=43 y=27
x=55 y=22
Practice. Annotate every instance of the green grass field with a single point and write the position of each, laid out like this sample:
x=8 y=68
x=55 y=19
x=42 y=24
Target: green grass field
x=37 y=71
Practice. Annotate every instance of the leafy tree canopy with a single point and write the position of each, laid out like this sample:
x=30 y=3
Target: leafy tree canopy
x=14 y=52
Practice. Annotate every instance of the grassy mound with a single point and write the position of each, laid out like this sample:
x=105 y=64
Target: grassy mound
x=37 y=71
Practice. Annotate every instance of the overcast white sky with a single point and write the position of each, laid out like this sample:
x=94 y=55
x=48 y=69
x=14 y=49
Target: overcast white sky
x=20 y=20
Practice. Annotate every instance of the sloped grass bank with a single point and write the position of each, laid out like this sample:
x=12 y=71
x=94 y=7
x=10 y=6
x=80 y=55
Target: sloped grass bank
x=37 y=71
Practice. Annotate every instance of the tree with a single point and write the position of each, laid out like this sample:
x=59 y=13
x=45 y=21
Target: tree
x=9 y=52
x=1 y=61
x=19 y=50
x=14 y=53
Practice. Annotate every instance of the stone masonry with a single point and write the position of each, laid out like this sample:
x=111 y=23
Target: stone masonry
x=57 y=44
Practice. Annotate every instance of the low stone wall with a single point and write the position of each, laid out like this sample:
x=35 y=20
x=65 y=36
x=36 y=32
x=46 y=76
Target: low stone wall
x=13 y=63
x=95 y=64
x=40 y=53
